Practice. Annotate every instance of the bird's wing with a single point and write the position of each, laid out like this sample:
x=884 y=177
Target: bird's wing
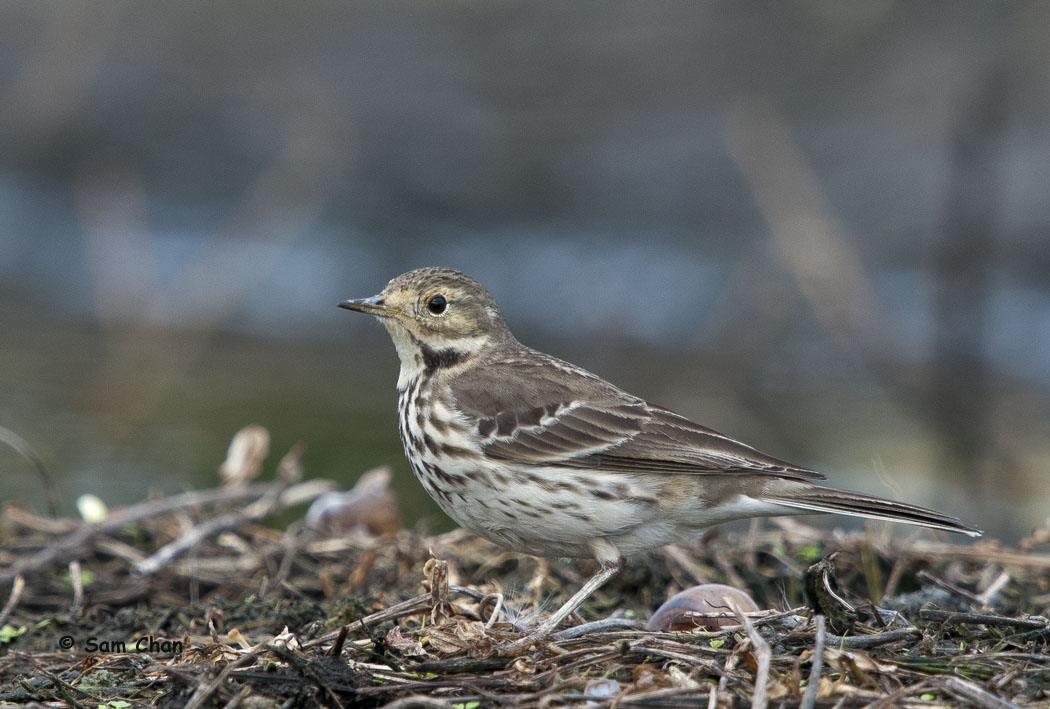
x=540 y=410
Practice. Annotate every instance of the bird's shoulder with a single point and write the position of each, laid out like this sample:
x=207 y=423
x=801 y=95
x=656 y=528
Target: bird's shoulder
x=523 y=379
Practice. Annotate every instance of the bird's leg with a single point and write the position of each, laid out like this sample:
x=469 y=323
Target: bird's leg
x=607 y=571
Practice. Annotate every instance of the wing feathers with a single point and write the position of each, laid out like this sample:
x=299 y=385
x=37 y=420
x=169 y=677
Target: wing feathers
x=523 y=412
x=819 y=499
x=620 y=420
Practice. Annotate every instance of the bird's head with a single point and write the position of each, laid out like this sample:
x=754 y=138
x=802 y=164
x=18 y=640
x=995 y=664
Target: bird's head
x=435 y=315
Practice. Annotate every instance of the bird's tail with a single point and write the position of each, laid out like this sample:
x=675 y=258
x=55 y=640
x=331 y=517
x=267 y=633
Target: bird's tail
x=822 y=499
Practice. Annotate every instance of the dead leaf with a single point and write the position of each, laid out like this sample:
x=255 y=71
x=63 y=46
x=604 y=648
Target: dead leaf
x=406 y=646
x=247 y=451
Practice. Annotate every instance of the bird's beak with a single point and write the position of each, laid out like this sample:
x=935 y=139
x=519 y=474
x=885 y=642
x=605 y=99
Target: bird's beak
x=372 y=306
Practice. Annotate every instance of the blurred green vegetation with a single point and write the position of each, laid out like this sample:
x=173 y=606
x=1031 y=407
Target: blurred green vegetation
x=104 y=437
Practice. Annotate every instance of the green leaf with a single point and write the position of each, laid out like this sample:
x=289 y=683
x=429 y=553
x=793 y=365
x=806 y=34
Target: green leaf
x=807 y=552
x=10 y=632
x=87 y=577
x=716 y=642
x=467 y=705
x=928 y=697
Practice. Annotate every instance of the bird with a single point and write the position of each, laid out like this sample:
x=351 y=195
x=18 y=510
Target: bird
x=543 y=457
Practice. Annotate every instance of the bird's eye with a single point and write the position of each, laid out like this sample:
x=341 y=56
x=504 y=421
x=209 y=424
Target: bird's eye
x=437 y=304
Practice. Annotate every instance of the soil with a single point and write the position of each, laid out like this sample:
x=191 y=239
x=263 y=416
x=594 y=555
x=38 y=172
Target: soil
x=194 y=600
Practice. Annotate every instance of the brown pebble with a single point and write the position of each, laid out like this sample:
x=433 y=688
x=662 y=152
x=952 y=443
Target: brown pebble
x=676 y=614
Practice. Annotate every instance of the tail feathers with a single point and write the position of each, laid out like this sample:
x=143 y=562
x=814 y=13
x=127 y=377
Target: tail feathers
x=821 y=499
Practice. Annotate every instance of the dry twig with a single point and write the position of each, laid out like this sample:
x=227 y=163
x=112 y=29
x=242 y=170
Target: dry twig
x=809 y=698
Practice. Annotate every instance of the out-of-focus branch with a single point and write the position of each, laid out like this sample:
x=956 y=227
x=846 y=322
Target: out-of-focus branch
x=808 y=239
x=71 y=545
x=958 y=397
x=22 y=447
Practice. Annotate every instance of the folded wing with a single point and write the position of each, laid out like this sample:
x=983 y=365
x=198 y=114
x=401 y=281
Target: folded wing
x=567 y=417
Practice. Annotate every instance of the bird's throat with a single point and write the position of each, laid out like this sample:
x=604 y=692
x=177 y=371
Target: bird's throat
x=434 y=359
x=423 y=361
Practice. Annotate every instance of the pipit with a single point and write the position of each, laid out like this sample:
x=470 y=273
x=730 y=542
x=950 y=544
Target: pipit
x=543 y=457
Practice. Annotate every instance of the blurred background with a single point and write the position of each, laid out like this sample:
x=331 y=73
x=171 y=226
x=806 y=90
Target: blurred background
x=821 y=227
